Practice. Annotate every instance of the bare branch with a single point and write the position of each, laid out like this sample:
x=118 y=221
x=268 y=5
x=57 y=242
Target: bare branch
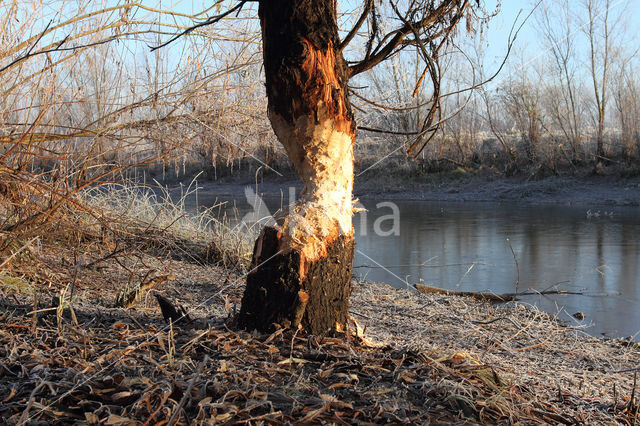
x=367 y=9
x=57 y=48
x=209 y=21
x=430 y=18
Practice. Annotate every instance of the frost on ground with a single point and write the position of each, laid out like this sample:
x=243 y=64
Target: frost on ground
x=430 y=357
x=70 y=351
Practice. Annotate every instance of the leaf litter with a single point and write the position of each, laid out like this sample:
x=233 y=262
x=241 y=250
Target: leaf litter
x=70 y=354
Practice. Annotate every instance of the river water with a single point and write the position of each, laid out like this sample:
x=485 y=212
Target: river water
x=591 y=251
x=467 y=246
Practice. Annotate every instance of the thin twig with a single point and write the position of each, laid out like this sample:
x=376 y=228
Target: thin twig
x=176 y=414
x=209 y=21
x=465 y=274
x=515 y=259
x=24 y=246
x=25 y=414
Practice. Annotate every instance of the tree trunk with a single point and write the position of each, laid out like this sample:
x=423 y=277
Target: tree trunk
x=301 y=267
x=600 y=135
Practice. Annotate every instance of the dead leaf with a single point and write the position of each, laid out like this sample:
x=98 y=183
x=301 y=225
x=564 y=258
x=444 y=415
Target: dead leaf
x=91 y=418
x=292 y=360
x=118 y=420
x=312 y=415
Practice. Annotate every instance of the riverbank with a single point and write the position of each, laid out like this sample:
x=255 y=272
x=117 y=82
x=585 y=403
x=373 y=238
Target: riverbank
x=586 y=190
x=569 y=234
x=459 y=186
x=425 y=358
x=83 y=339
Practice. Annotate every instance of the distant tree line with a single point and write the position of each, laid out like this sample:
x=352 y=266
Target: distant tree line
x=571 y=104
x=84 y=98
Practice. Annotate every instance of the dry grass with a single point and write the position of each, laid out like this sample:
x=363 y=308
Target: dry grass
x=142 y=211
x=436 y=358
x=72 y=245
x=69 y=353
x=559 y=367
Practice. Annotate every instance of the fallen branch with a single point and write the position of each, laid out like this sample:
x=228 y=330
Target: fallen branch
x=504 y=297
x=476 y=295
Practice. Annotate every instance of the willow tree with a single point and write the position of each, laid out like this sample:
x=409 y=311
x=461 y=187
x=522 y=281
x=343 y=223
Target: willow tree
x=301 y=266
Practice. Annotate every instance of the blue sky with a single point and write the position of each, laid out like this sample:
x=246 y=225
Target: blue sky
x=528 y=37
x=497 y=33
x=500 y=26
x=495 y=36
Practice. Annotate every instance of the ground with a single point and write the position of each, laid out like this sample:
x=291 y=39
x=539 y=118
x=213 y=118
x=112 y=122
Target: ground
x=465 y=186
x=424 y=358
x=468 y=186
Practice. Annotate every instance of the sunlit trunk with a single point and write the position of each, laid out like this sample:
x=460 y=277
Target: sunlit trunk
x=301 y=268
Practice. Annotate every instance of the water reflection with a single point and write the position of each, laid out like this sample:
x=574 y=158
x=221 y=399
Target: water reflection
x=556 y=247
x=464 y=246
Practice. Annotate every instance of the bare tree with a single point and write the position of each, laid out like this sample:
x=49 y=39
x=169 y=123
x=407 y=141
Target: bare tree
x=627 y=103
x=301 y=268
x=556 y=23
x=521 y=100
x=604 y=27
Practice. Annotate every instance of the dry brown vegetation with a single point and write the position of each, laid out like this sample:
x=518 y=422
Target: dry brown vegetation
x=85 y=101
x=69 y=351
x=84 y=105
x=85 y=109
x=69 y=354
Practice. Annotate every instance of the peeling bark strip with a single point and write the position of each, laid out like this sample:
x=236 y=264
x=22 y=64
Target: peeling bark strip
x=303 y=265
x=301 y=60
x=309 y=110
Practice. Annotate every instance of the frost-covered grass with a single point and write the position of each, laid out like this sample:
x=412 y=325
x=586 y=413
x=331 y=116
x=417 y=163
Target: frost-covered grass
x=155 y=210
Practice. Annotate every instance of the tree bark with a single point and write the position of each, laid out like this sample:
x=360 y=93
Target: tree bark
x=301 y=267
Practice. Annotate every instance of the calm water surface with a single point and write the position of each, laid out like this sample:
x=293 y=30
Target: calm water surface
x=464 y=247
x=590 y=250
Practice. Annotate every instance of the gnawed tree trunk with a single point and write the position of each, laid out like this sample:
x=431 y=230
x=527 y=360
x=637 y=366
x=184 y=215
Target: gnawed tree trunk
x=301 y=268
